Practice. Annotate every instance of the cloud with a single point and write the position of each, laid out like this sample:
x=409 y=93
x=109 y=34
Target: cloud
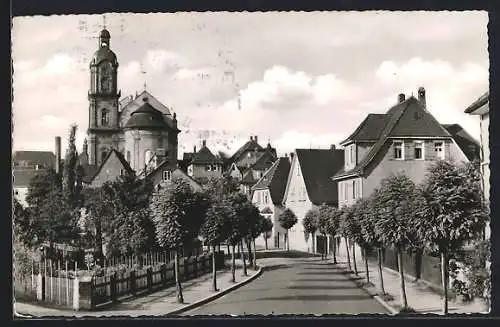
x=52 y=122
x=159 y=60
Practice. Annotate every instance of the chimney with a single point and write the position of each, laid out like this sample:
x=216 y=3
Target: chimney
x=204 y=143
x=58 y=154
x=401 y=97
x=332 y=147
x=256 y=139
x=291 y=156
x=421 y=97
x=194 y=149
x=251 y=138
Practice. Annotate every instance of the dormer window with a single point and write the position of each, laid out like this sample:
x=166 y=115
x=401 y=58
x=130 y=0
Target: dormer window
x=166 y=175
x=398 y=150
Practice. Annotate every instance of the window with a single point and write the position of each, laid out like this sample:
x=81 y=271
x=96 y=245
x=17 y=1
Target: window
x=351 y=154
x=265 y=198
x=104 y=117
x=258 y=197
x=345 y=190
x=103 y=155
x=166 y=175
x=208 y=167
x=419 y=150
x=398 y=150
x=214 y=167
x=354 y=189
x=128 y=156
x=122 y=172
x=439 y=149
x=233 y=168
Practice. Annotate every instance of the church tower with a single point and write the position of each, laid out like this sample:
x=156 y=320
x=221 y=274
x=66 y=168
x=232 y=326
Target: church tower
x=104 y=129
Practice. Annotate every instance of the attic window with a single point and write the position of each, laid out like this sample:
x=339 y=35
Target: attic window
x=166 y=175
x=122 y=172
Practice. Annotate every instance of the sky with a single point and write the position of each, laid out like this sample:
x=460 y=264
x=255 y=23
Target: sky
x=296 y=80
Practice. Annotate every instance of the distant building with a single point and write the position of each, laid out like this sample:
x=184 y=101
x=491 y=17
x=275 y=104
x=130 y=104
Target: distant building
x=249 y=163
x=203 y=164
x=267 y=195
x=308 y=186
x=481 y=108
x=165 y=173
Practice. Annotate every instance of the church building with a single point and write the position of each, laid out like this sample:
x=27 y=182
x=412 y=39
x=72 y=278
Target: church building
x=137 y=129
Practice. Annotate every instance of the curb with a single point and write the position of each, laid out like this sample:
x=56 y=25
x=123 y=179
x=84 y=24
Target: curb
x=387 y=306
x=216 y=295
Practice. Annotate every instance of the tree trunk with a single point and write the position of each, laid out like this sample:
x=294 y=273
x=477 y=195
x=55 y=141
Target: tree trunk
x=180 y=298
x=444 y=280
x=347 y=250
x=287 y=240
x=418 y=263
x=325 y=249
x=354 y=258
x=233 y=264
x=249 y=249
x=244 y=259
x=265 y=239
x=214 y=271
x=334 y=251
x=254 y=255
x=366 y=266
x=380 y=275
x=313 y=243
x=404 y=302
x=228 y=249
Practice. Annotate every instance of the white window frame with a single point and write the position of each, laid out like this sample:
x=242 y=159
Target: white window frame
x=166 y=175
x=402 y=149
x=265 y=198
x=442 y=156
x=422 y=145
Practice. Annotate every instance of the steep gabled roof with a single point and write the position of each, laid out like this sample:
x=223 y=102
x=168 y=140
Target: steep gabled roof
x=205 y=156
x=483 y=99
x=401 y=122
x=251 y=145
x=175 y=170
x=45 y=158
x=248 y=178
x=318 y=166
x=369 y=129
x=22 y=177
x=93 y=173
x=265 y=161
x=275 y=179
x=465 y=142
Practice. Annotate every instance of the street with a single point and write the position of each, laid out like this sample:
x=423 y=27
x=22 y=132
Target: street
x=295 y=286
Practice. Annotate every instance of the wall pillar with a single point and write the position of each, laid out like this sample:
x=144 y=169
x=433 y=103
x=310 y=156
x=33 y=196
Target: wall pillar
x=40 y=287
x=82 y=294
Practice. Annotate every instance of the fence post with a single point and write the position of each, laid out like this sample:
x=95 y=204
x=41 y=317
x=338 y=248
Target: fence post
x=163 y=274
x=132 y=282
x=76 y=293
x=112 y=284
x=149 y=278
x=67 y=284
x=40 y=287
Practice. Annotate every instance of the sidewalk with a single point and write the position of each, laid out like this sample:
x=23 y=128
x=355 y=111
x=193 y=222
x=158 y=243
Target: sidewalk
x=419 y=296
x=159 y=303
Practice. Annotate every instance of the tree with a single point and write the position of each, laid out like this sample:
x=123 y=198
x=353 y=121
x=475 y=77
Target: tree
x=310 y=225
x=267 y=227
x=368 y=219
x=361 y=215
x=69 y=170
x=323 y=218
x=171 y=217
x=352 y=231
x=332 y=229
x=345 y=216
x=255 y=223
x=396 y=206
x=40 y=186
x=237 y=228
x=215 y=230
x=287 y=220
x=21 y=223
x=453 y=212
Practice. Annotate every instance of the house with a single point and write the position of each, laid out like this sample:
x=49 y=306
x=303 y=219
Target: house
x=309 y=185
x=27 y=164
x=267 y=195
x=250 y=162
x=481 y=108
x=113 y=166
x=407 y=138
x=166 y=172
x=203 y=164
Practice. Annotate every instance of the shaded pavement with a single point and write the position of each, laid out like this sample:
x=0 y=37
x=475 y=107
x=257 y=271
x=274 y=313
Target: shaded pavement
x=295 y=286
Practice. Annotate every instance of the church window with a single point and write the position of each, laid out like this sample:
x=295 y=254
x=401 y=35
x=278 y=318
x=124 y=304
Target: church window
x=167 y=175
x=103 y=154
x=104 y=117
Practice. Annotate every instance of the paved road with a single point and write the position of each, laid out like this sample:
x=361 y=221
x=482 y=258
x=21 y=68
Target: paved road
x=298 y=286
